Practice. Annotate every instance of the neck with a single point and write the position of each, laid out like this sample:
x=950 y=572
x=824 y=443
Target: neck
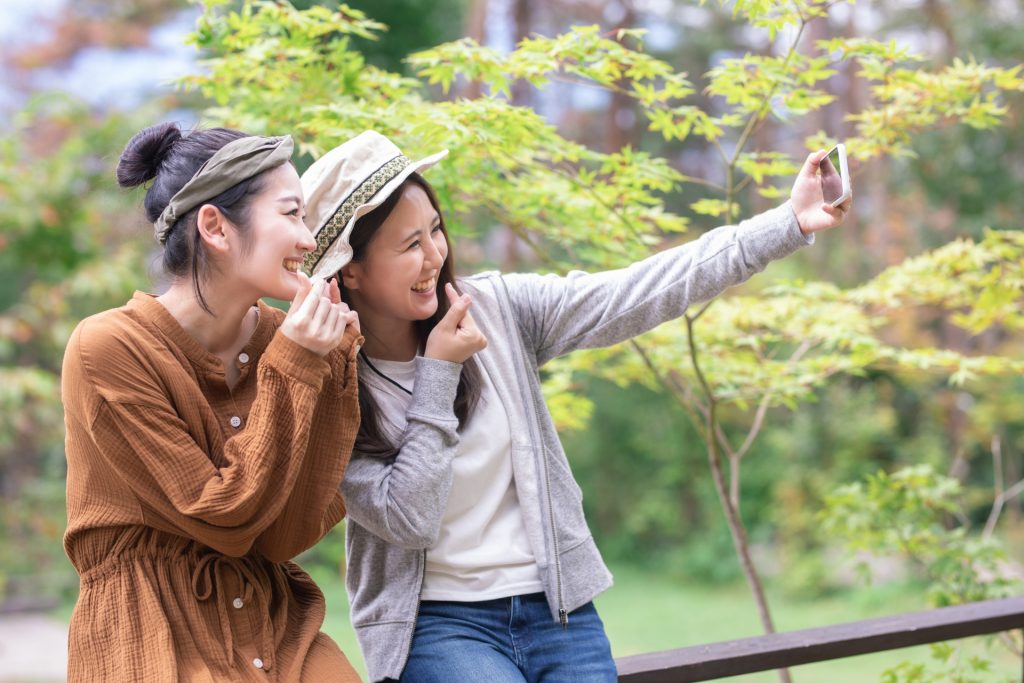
x=229 y=326
x=389 y=340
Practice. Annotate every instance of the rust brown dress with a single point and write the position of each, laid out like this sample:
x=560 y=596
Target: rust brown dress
x=187 y=500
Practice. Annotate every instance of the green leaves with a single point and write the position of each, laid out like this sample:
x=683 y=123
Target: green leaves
x=756 y=84
x=907 y=99
x=911 y=514
x=272 y=68
x=905 y=513
x=761 y=165
x=273 y=63
x=982 y=283
x=584 y=53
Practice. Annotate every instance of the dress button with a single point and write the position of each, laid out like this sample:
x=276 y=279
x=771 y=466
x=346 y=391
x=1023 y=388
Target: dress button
x=237 y=603
x=243 y=357
x=235 y=421
x=258 y=663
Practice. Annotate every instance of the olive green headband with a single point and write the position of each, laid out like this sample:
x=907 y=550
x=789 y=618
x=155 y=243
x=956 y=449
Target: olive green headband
x=236 y=161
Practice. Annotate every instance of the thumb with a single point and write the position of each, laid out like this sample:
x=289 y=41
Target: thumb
x=453 y=296
x=459 y=306
x=304 y=286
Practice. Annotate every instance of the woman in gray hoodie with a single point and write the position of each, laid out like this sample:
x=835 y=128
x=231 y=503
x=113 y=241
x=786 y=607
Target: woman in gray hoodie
x=469 y=558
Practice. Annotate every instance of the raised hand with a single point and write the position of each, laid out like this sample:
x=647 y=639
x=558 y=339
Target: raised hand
x=812 y=212
x=317 y=317
x=456 y=337
x=351 y=317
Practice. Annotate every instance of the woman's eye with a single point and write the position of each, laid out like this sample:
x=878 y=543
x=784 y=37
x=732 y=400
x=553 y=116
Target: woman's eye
x=293 y=212
x=437 y=228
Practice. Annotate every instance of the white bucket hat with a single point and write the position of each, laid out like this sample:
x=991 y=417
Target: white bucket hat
x=346 y=183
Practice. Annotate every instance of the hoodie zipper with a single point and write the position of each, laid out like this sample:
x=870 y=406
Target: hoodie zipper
x=563 y=615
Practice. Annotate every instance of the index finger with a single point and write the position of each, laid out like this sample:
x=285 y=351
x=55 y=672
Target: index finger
x=810 y=167
x=456 y=312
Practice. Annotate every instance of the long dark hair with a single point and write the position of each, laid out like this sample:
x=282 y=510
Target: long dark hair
x=371 y=437
x=160 y=153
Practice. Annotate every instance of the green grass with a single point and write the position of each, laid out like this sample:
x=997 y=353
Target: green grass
x=645 y=612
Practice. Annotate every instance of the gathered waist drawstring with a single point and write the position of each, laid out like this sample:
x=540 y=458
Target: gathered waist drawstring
x=207 y=581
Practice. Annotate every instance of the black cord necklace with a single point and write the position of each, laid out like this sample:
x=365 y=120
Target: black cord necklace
x=370 y=365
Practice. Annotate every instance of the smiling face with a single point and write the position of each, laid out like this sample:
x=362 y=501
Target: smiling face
x=277 y=239
x=394 y=284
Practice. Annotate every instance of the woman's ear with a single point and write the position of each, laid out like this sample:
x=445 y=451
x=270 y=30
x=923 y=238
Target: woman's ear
x=213 y=228
x=350 y=275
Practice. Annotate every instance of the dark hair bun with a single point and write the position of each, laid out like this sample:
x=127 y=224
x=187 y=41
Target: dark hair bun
x=141 y=158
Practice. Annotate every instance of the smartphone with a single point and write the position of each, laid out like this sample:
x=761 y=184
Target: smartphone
x=835 y=176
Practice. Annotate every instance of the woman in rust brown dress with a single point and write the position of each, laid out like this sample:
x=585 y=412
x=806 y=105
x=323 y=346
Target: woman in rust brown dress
x=207 y=432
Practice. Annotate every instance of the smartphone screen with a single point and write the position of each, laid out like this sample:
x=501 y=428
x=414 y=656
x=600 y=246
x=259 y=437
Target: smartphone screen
x=831 y=180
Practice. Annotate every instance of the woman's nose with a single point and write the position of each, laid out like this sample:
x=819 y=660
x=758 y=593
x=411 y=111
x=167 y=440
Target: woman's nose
x=306 y=241
x=433 y=254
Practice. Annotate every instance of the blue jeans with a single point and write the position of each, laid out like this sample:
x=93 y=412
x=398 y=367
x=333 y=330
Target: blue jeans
x=507 y=640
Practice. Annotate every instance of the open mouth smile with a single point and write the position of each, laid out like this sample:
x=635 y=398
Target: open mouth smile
x=425 y=285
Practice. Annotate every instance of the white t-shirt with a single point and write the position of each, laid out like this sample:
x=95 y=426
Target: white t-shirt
x=482 y=552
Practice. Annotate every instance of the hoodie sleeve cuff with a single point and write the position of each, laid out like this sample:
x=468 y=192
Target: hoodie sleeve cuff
x=434 y=391
x=793 y=226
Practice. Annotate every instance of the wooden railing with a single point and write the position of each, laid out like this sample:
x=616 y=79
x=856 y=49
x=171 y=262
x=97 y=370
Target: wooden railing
x=783 y=650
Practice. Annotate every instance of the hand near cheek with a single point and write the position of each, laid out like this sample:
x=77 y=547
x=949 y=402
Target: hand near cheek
x=456 y=337
x=351 y=317
x=316 y=318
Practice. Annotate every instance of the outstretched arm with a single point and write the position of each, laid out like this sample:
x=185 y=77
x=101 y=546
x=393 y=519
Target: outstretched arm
x=558 y=314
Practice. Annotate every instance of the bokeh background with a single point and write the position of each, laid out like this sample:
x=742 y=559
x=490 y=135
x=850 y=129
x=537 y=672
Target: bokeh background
x=79 y=78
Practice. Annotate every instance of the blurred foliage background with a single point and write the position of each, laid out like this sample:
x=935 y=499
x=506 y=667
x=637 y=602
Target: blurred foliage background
x=72 y=243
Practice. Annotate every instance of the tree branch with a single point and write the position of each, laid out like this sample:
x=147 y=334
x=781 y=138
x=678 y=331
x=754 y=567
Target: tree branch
x=1002 y=495
x=736 y=529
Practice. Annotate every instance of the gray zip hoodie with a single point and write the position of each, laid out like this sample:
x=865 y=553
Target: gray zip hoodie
x=395 y=504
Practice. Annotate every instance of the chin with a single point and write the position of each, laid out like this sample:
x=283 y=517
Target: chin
x=284 y=292
x=423 y=314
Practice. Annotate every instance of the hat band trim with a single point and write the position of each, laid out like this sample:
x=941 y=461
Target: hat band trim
x=361 y=195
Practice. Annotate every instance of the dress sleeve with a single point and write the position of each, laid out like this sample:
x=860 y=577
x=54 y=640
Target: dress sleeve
x=335 y=424
x=401 y=499
x=118 y=393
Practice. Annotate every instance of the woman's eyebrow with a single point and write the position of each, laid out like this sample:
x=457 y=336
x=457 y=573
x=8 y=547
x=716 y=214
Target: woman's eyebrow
x=414 y=232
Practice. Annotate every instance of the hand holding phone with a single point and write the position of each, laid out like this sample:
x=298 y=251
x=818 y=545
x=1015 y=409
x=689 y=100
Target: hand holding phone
x=822 y=195
x=835 y=176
